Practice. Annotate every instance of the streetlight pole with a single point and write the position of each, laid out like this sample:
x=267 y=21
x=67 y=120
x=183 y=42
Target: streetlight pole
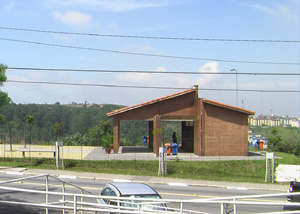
x=237 y=86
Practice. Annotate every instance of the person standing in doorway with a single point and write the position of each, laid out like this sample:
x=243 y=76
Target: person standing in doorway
x=174 y=138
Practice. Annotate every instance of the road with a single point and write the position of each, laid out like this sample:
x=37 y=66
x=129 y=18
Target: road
x=166 y=191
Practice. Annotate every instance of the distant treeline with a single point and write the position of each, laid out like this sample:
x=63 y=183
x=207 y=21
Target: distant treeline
x=78 y=119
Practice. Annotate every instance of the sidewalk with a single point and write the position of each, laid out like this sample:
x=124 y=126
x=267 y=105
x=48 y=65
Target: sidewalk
x=63 y=174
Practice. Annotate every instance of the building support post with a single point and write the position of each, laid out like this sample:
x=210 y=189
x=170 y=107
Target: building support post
x=116 y=134
x=197 y=127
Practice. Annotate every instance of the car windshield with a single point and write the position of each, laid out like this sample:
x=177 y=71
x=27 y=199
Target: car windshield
x=144 y=205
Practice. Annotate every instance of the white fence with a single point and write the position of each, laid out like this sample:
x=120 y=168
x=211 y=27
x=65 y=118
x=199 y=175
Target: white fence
x=85 y=201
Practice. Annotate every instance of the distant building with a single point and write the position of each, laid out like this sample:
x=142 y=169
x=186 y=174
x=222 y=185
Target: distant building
x=271 y=120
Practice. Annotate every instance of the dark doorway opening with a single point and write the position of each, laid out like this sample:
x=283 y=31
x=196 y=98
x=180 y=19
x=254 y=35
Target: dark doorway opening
x=187 y=133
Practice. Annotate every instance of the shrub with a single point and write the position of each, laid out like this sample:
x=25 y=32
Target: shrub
x=296 y=150
x=284 y=147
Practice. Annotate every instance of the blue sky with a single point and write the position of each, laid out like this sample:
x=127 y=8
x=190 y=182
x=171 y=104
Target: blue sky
x=198 y=19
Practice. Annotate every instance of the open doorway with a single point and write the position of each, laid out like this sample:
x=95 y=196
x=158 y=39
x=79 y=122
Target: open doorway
x=132 y=136
x=187 y=132
x=136 y=136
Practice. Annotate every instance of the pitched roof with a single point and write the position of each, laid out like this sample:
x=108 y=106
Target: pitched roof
x=211 y=102
x=122 y=110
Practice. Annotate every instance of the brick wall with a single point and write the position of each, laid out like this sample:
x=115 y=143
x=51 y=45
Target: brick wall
x=177 y=107
x=225 y=132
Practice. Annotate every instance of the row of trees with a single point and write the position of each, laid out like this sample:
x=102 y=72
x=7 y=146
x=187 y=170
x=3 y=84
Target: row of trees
x=75 y=125
x=101 y=133
x=58 y=127
x=48 y=117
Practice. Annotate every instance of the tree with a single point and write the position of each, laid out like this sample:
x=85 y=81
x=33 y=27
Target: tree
x=107 y=140
x=4 y=99
x=99 y=131
x=58 y=127
x=29 y=120
x=274 y=139
x=2 y=120
x=11 y=125
x=75 y=140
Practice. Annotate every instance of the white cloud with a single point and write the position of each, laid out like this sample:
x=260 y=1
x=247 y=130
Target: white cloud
x=210 y=67
x=148 y=48
x=85 y=81
x=180 y=80
x=9 y=6
x=62 y=37
x=282 y=8
x=264 y=9
x=272 y=9
x=138 y=48
x=113 y=26
x=148 y=78
x=160 y=68
x=286 y=13
x=133 y=77
x=123 y=5
x=39 y=76
x=36 y=76
x=73 y=18
x=16 y=78
x=110 y=5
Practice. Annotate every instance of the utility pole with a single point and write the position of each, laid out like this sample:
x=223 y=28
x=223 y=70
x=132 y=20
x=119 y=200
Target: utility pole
x=237 y=86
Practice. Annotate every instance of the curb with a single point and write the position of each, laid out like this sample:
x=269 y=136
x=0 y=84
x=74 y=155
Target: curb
x=14 y=173
x=242 y=186
x=67 y=176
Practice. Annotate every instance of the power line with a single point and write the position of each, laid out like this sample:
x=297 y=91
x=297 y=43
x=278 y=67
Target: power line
x=151 y=37
x=151 y=87
x=93 y=85
x=153 y=72
x=151 y=55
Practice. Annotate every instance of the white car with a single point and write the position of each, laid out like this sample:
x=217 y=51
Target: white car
x=131 y=191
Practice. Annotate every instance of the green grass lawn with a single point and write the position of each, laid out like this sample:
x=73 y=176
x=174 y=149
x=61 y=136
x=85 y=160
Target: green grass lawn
x=234 y=171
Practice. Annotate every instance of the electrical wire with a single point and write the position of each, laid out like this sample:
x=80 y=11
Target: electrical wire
x=150 y=87
x=150 y=37
x=151 y=55
x=152 y=72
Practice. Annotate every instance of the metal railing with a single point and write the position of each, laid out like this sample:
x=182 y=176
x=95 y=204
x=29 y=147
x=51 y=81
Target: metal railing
x=86 y=201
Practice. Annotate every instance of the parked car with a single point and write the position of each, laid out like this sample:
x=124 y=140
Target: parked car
x=294 y=187
x=131 y=191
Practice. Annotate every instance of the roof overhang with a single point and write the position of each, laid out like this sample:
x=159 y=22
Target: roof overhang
x=222 y=105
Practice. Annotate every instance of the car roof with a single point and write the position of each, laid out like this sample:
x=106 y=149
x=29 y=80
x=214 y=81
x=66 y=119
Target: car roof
x=129 y=188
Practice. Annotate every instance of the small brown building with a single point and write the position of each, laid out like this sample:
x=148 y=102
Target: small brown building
x=208 y=128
